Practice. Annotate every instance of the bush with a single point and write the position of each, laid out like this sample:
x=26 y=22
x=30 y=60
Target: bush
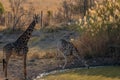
x=1 y=8
x=101 y=27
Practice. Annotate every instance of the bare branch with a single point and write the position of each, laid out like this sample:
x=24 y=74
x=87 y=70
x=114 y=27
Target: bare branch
x=19 y=16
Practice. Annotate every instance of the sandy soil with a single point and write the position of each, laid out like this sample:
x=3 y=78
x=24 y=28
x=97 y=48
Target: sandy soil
x=34 y=68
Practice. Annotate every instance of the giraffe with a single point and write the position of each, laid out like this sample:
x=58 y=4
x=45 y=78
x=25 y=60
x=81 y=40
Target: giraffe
x=67 y=48
x=19 y=47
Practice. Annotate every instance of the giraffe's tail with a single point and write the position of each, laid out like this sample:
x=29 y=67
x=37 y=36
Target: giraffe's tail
x=4 y=64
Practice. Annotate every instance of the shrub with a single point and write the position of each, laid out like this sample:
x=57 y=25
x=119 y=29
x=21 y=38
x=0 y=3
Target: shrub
x=1 y=8
x=101 y=27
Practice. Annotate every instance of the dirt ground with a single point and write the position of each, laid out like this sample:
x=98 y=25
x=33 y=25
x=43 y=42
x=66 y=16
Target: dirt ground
x=38 y=66
x=34 y=68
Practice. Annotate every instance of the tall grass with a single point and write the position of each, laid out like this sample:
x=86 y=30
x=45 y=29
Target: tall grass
x=37 y=53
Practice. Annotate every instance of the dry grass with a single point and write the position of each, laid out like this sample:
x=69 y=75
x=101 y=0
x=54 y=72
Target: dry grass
x=36 y=53
x=92 y=46
x=1 y=56
x=2 y=28
x=38 y=4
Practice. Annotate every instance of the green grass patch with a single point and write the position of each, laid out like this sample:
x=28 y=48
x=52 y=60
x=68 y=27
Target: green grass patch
x=100 y=73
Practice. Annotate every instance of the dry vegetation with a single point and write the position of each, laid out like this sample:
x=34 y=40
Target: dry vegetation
x=93 y=34
x=94 y=39
x=38 y=4
x=101 y=28
x=36 y=53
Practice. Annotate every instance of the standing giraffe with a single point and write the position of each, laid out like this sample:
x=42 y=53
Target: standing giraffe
x=67 y=48
x=19 y=47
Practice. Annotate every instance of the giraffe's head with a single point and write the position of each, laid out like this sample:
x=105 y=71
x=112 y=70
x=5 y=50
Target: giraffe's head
x=36 y=18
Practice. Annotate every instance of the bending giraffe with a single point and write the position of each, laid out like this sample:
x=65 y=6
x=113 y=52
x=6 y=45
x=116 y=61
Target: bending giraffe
x=19 y=47
x=67 y=48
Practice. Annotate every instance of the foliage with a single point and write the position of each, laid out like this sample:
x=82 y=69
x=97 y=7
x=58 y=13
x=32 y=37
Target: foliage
x=1 y=8
x=64 y=12
x=102 y=18
x=71 y=9
x=18 y=17
x=101 y=27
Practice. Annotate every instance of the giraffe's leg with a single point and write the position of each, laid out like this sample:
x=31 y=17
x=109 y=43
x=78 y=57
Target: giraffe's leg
x=65 y=57
x=3 y=61
x=3 y=65
x=77 y=56
x=6 y=64
x=82 y=60
x=56 y=56
x=25 y=72
x=85 y=63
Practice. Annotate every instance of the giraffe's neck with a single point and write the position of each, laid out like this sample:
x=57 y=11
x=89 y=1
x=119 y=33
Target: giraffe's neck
x=24 y=38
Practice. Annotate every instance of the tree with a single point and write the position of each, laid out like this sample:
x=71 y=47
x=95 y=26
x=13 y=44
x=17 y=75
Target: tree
x=71 y=8
x=101 y=26
x=18 y=17
x=1 y=8
x=64 y=12
x=81 y=6
x=1 y=14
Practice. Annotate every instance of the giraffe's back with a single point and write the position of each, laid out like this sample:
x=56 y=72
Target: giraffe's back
x=15 y=49
x=66 y=47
